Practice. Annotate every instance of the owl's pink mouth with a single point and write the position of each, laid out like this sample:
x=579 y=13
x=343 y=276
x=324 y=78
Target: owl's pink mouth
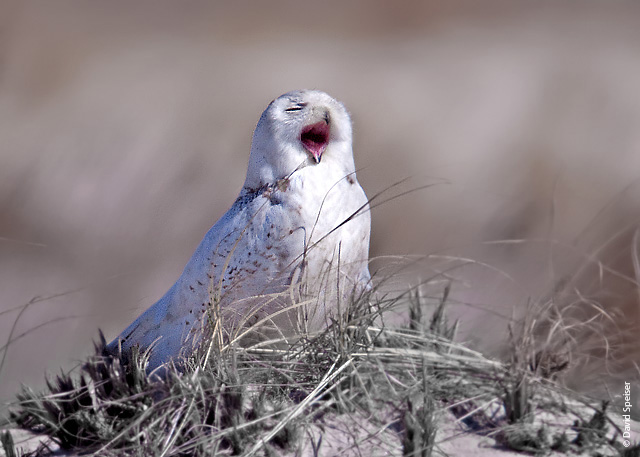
x=315 y=138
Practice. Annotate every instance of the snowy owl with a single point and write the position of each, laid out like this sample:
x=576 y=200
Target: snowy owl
x=298 y=233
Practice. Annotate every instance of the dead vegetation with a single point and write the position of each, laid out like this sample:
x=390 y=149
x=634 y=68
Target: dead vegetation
x=265 y=399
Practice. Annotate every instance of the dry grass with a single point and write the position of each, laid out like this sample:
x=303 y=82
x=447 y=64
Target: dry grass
x=268 y=399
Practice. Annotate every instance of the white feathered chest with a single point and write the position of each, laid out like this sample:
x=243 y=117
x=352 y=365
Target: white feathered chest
x=279 y=235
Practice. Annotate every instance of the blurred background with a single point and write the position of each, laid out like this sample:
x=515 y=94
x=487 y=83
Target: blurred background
x=125 y=131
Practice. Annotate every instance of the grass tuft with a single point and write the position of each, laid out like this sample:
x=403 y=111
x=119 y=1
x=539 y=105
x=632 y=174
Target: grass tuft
x=381 y=388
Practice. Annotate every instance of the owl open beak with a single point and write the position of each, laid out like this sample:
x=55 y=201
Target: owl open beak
x=315 y=138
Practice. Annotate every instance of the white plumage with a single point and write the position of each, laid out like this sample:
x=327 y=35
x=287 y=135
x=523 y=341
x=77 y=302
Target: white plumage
x=298 y=231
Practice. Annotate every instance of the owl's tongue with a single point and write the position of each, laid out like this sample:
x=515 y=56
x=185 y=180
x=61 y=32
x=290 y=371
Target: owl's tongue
x=315 y=138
